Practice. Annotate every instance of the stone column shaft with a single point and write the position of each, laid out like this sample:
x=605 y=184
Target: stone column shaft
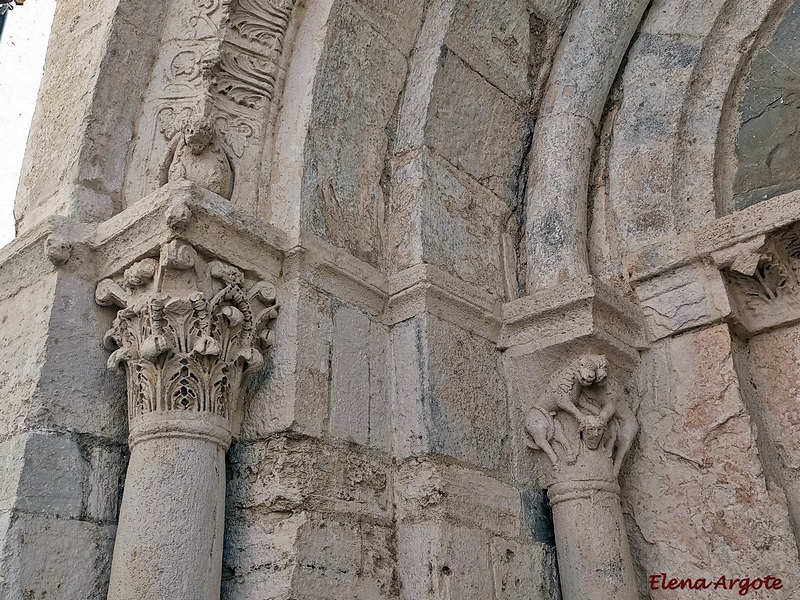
x=186 y=335
x=169 y=540
x=594 y=559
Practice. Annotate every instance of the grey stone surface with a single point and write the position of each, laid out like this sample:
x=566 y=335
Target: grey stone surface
x=768 y=140
x=450 y=398
x=443 y=218
x=360 y=82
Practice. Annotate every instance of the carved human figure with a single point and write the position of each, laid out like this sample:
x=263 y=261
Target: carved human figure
x=198 y=157
x=563 y=394
x=622 y=423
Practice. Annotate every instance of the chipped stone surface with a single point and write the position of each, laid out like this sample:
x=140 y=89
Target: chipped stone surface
x=696 y=494
x=450 y=398
x=286 y=474
x=442 y=218
x=425 y=489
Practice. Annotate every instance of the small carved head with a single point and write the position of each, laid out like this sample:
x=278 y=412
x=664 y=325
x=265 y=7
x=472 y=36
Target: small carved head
x=592 y=431
x=592 y=369
x=198 y=133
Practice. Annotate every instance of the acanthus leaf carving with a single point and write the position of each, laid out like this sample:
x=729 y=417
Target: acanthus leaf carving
x=770 y=294
x=221 y=62
x=187 y=331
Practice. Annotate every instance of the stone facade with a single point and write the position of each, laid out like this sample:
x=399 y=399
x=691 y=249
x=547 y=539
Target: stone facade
x=405 y=299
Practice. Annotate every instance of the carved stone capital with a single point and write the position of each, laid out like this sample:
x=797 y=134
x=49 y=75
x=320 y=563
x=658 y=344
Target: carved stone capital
x=580 y=427
x=768 y=294
x=187 y=331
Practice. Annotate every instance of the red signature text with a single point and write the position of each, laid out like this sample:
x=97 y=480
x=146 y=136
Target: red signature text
x=743 y=585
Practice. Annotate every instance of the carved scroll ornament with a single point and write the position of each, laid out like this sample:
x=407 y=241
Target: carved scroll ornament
x=187 y=331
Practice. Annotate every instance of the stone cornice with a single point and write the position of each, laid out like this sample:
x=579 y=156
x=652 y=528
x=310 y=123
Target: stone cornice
x=699 y=277
x=337 y=272
x=720 y=234
x=578 y=309
x=427 y=289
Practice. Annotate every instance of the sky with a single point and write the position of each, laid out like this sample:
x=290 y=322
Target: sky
x=22 y=49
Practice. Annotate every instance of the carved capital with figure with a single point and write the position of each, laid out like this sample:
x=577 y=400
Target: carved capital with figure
x=580 y=426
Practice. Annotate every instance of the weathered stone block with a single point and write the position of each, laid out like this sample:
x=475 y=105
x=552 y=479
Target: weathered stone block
x=426 y=490
x=494 y=38
x=337 y=560
x=77 y=556
x=687 y=297
x=776 y=377
x=646 y=135
x=450 y=398
x=357 y=88
x=398 y=20
x=359 y=405
x=28 y=312
x=464 y=107
x=695 y=488
x=54 y=477
x=12 y=463
x=260 y=554
x=443 y=218
x=75 y=389
x=74 y=163
x=440 y=560
x=522 y=571
x=296 y=388
x=290 y=475
x=103 y=491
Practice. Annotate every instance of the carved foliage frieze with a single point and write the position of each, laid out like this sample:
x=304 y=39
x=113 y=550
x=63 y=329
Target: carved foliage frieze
x=187 y=331
x=249 y=55
x=219 y=62
x=578 y=427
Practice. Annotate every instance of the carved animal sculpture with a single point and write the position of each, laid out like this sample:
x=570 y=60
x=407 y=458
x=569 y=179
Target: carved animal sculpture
x=623 y=425
x=562 y=394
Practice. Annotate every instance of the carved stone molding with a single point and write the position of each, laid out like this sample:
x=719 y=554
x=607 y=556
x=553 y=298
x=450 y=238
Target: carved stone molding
x=220 y=64
x=767 y=294
x=740 y=267
x=187 y=331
